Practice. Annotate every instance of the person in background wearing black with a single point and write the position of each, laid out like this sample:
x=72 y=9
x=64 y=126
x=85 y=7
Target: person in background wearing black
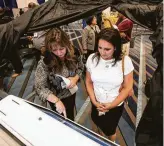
x=21 y=12
x=14 y=58
x=6 y=15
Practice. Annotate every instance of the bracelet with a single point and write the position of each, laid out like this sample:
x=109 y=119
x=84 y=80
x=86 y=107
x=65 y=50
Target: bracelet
x=57 y=101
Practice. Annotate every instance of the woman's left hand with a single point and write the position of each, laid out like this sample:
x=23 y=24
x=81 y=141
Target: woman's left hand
x=73 y=82
x=107 y=106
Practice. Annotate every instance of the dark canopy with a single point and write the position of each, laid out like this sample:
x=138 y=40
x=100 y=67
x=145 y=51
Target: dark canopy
x=60 y=12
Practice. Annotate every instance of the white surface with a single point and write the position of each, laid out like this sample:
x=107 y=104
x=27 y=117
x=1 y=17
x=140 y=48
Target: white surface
x=23 y=120
x=67 y=82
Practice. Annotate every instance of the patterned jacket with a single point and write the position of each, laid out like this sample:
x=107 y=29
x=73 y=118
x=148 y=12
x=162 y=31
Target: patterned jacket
x=46 y=82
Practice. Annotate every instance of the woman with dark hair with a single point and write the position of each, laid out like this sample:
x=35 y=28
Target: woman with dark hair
x=104 y=77
x=89 y=36
x=60 y=61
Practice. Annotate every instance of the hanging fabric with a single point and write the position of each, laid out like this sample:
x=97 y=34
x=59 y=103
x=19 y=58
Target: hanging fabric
x=53 y=13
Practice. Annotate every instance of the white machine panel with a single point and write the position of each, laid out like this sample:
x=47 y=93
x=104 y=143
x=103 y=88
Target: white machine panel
x=35 y=128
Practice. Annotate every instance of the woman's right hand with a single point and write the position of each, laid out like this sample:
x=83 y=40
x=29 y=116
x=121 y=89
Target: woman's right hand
x=100 y=107
x=60 y=108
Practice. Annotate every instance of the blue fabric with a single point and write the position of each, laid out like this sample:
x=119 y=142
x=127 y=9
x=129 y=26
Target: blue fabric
x=84 y=23
x=41 y=1
x=1 y=3
x=13 y=4
x=8 y=3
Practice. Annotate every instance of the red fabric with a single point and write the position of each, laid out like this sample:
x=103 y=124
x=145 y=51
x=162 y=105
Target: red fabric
x=125 y=26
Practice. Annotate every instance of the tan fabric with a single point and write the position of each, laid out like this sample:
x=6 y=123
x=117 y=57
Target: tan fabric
x=88 y=37
x=105 y=19
x=125 y=48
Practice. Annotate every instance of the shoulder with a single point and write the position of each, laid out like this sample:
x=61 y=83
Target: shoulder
x=127 y=58
x=91 y=59
x=41 y=64
x=90 y=62
x=87 y=28
x=129 y=21
x=128 y=65
x=91 y=56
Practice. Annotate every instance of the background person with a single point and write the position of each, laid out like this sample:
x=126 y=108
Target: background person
x=125 y=26
x=89 y=36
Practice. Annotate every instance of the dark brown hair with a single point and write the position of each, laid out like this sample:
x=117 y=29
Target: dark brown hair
x=112 y=36
x=90 y=19
x=57 y=35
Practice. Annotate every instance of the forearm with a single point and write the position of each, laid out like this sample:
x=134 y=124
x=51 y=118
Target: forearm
x=121 y=97
x=60 y=108
x=43 y=93
x=90 y=91
x=76 y=78
x=52 y=98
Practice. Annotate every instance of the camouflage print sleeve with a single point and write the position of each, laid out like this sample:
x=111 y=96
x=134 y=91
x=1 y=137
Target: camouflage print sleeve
x=41 y=81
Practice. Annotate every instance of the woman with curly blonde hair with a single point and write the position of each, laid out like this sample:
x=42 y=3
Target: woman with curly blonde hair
x=60 y=59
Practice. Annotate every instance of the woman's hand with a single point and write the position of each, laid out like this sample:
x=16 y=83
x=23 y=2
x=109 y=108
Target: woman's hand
x=107 y=106
x=60 y=108
x=73 y=81
x=100 y=107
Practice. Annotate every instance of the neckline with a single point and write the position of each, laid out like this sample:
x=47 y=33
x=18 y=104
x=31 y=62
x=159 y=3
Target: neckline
x=106 y=61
